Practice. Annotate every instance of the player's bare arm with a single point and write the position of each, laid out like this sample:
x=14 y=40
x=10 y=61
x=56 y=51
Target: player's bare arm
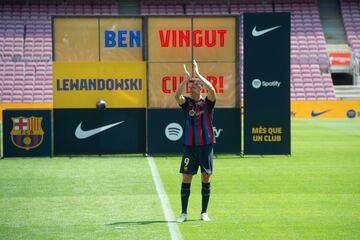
x=179 y=97
x=205 y=83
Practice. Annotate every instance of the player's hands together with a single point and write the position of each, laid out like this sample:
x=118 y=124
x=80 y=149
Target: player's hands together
x=196 y=68
x=187 y=73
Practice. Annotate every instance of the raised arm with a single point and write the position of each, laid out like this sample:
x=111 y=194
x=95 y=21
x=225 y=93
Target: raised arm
x=179 y=97
x=206 y=83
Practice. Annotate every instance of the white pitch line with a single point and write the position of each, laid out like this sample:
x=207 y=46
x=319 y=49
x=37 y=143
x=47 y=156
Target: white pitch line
x=169 y=216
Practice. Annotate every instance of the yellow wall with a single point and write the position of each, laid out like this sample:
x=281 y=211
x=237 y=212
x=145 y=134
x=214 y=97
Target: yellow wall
x=65 y=97
x=74 y=42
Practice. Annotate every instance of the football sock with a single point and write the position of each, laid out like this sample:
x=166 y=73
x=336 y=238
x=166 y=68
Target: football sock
x=185 y=193
x=205 y=193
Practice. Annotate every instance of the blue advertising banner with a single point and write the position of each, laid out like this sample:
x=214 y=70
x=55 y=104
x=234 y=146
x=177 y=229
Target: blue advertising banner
x=26 y=133
x=92 y=131
x=267 y=83
x=166 y=130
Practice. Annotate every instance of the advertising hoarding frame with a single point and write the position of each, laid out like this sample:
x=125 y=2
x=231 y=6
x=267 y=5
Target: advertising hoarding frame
x=145 y=50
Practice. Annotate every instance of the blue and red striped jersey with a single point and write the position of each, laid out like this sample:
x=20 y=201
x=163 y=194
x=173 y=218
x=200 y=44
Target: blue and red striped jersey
x=198 y=126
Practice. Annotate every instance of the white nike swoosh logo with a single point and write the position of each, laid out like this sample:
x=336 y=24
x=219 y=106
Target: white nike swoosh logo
x=256 y=33
x=81 y=134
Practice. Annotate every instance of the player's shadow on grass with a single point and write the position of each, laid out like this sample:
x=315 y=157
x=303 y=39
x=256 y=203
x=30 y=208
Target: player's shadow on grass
x=148 y=222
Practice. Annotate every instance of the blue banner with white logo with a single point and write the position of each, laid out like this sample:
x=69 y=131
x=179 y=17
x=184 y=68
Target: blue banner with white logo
x=166 y=130
x=26 y=133
x=266 y=83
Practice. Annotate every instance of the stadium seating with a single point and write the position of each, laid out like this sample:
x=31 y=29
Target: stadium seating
x=154 y=8
x=26 y=44
x=308 y=52
x=350 y=10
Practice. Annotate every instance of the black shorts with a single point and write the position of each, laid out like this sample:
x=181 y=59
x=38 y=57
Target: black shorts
x=195 y=156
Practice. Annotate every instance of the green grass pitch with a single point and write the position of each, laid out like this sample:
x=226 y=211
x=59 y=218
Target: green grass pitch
x=314 y=194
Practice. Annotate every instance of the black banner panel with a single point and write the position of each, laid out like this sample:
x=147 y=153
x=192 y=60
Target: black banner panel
x=166 y=130
x=92 y=131
x=267 y=83
x=26 y=133
x=227 y=130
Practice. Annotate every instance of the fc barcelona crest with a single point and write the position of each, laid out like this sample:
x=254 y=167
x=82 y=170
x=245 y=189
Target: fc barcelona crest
x=27 y=132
